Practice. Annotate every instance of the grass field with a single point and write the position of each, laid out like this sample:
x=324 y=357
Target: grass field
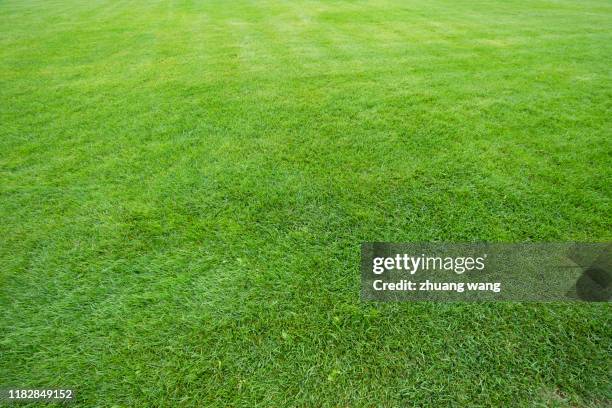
x=185 y=185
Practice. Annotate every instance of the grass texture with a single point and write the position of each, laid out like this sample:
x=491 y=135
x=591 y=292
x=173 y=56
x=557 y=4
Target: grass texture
x=185 y=185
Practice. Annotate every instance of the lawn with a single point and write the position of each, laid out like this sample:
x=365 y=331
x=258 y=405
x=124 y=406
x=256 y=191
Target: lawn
x=185 y=185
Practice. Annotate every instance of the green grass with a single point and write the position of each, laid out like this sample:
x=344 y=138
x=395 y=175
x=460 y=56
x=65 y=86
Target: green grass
x=185 y=185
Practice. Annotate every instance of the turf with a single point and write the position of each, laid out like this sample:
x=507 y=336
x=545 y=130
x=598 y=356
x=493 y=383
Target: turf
x=185 y=185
